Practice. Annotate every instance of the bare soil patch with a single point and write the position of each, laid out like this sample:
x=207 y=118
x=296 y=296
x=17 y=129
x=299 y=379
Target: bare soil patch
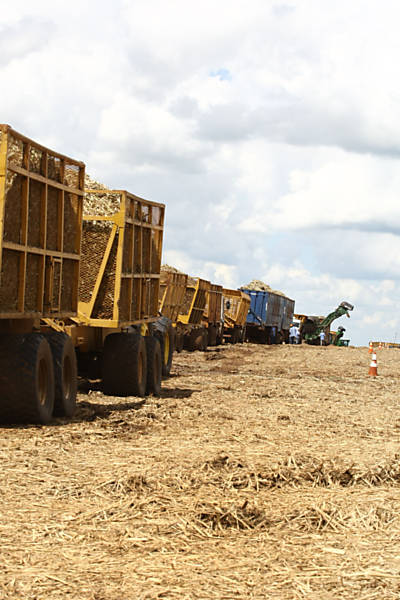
x=261 y=472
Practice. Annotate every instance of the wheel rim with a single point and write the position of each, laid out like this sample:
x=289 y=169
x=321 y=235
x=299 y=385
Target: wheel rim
x=67 y=377
x=43 y=382
x=166 y=348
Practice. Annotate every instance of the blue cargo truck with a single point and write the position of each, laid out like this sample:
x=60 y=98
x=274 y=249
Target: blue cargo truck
x=269 y=317
x=287 y=318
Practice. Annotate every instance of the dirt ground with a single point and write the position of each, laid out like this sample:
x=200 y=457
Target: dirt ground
x=262 y=472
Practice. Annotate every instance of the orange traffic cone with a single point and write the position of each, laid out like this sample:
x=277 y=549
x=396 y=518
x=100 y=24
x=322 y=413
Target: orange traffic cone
x=370 y=351
x=373 y=368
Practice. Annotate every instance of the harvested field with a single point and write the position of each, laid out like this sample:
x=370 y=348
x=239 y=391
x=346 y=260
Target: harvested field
x=262 y=472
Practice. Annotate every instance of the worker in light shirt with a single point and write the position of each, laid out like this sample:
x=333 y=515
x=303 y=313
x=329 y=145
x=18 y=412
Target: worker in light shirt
x=322 y=338
x=293 y=334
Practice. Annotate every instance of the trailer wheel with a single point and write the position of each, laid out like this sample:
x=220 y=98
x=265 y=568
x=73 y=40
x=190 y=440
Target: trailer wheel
x=27 y=379
x=166 y=335
x=204 y=342
x=167 y=344
x=196 y=340
x=154 y=365
x=124 y=365
x=179 y=342
x=211 y=335
x=65 y=373
x=235 y=336
x=192 y=340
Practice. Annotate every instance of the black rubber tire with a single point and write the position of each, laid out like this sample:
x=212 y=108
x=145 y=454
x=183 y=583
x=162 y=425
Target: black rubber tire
x=189 y=340
x=220 y=339
x=167 y=346
x=179 y=342
x=204 y=343
x=166 y=335
x=154 y=365
x=195 y=339
x=65 y=373
x=228 y=337
x=211 y=335
x=235 y=336
x=124 y=365
x=26 y=380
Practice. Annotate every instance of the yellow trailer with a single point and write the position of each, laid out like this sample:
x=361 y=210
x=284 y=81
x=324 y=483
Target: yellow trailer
x=41 y=193
x=172 y=293
x=236 y=308
x=191 y=332
x=171 y=297
x=213 y=315
x=118 y=293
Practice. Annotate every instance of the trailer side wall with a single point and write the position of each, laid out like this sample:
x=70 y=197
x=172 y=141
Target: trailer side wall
x=121 y=259
x=41 y=195
x=171 y=294
x=258 y=307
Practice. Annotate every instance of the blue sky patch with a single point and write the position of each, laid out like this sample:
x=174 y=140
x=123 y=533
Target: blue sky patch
x=223 y=74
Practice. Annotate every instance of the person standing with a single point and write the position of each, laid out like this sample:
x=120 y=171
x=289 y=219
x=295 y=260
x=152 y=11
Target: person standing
x=322 y=338
x=292 y=334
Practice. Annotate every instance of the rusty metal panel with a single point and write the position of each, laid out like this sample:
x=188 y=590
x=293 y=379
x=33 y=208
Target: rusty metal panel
x=41 y=197
x=121 y=258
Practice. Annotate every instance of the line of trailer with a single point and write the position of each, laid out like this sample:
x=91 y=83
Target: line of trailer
x=82 y=290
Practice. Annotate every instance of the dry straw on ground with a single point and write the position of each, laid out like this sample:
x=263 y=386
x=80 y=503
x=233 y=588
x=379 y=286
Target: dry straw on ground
x=262 y=472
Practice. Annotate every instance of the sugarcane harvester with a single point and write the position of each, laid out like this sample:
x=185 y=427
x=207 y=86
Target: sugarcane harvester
x=337 y=340
x=312 y=327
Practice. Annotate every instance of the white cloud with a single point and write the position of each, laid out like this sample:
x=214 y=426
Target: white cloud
x=22 y=38
x=220 y=273
x=374 y=318
x=144 y=133
x=336 y=191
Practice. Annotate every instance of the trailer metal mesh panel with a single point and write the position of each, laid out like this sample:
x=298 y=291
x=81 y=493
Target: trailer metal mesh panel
x=236 y=307
x=171 y=293
x=121 y=257
x=194 y=301
x=213 y=308
x=41 y=196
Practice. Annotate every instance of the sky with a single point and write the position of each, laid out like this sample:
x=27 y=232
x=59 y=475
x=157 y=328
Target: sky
x=270 y=129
